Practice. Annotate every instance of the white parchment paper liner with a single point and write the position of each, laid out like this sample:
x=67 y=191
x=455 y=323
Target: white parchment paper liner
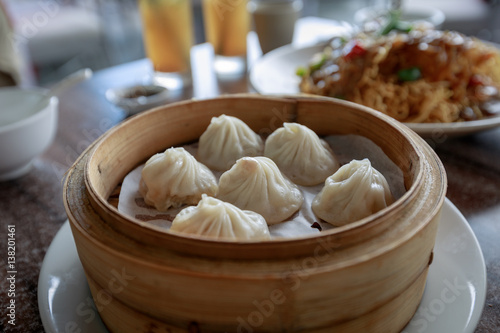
x=346 y=147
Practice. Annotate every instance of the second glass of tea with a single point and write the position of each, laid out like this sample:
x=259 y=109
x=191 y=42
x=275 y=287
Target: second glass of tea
x=168 y=38
x=227 y=23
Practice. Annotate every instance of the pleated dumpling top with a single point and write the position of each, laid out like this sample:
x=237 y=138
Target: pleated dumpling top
x=221 y=220
x=226 y=140
x=256 y=184
x=300 y=154
x=174 y=178
x=355 y=191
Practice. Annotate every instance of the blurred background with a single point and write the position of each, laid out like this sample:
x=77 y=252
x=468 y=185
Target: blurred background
x=58 y=37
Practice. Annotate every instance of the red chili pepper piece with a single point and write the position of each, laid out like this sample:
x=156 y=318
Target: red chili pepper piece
x=353 y=50
x=476 y=80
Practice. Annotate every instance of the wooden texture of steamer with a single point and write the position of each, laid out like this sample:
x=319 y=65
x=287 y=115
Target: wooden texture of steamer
x=121 y=318
x=133 y=143
x=192 y=286
x=127 y=145
x=329 y=286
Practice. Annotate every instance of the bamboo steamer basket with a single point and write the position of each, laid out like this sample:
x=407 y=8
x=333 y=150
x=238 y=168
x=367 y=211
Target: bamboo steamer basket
x=367 y=276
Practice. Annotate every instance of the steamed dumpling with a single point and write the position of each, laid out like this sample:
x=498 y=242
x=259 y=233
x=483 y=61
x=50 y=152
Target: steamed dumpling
x=300 y=154
x=215 y=218
x=256 y=184
x=174 y=178
x=226 y=140
x=355 y=191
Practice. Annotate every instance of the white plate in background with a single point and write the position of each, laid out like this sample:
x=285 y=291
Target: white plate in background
x=274 y=73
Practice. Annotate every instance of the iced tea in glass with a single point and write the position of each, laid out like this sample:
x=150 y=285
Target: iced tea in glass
x=227 y=23
x=168 y=38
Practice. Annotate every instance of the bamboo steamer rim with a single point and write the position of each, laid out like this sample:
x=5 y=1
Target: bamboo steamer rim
x=196 y=245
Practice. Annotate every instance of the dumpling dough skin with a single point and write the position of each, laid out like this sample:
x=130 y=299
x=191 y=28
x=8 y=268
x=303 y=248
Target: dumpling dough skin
x=174 y=178
x=256 y=184
x=355 y=191
x=300 y=154
x=226 y=140
x=221 y=220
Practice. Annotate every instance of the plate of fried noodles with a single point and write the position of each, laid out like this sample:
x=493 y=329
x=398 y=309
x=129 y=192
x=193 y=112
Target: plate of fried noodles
x=436 y=82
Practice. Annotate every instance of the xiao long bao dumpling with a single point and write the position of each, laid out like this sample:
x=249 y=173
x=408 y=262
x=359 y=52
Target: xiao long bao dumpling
x=256 y=184
x=300 y=154
x=174 y=178
x=226 y=140
x=355 y=191
x=215 y=218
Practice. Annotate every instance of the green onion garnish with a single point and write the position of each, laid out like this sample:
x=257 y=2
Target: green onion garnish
x=409 y=74
x=317 y=62
x=395 y=23
x=301 y=71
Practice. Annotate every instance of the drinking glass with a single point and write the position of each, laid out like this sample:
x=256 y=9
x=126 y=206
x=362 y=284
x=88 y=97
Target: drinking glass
x=227 y=23
x=168 y=38
x=274 y=21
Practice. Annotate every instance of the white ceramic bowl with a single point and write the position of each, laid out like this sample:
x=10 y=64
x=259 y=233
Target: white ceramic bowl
x=28 y=123
x=409 y=13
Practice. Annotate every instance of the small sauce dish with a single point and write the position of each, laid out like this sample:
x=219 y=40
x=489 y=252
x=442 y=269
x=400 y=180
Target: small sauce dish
x=137 y=98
